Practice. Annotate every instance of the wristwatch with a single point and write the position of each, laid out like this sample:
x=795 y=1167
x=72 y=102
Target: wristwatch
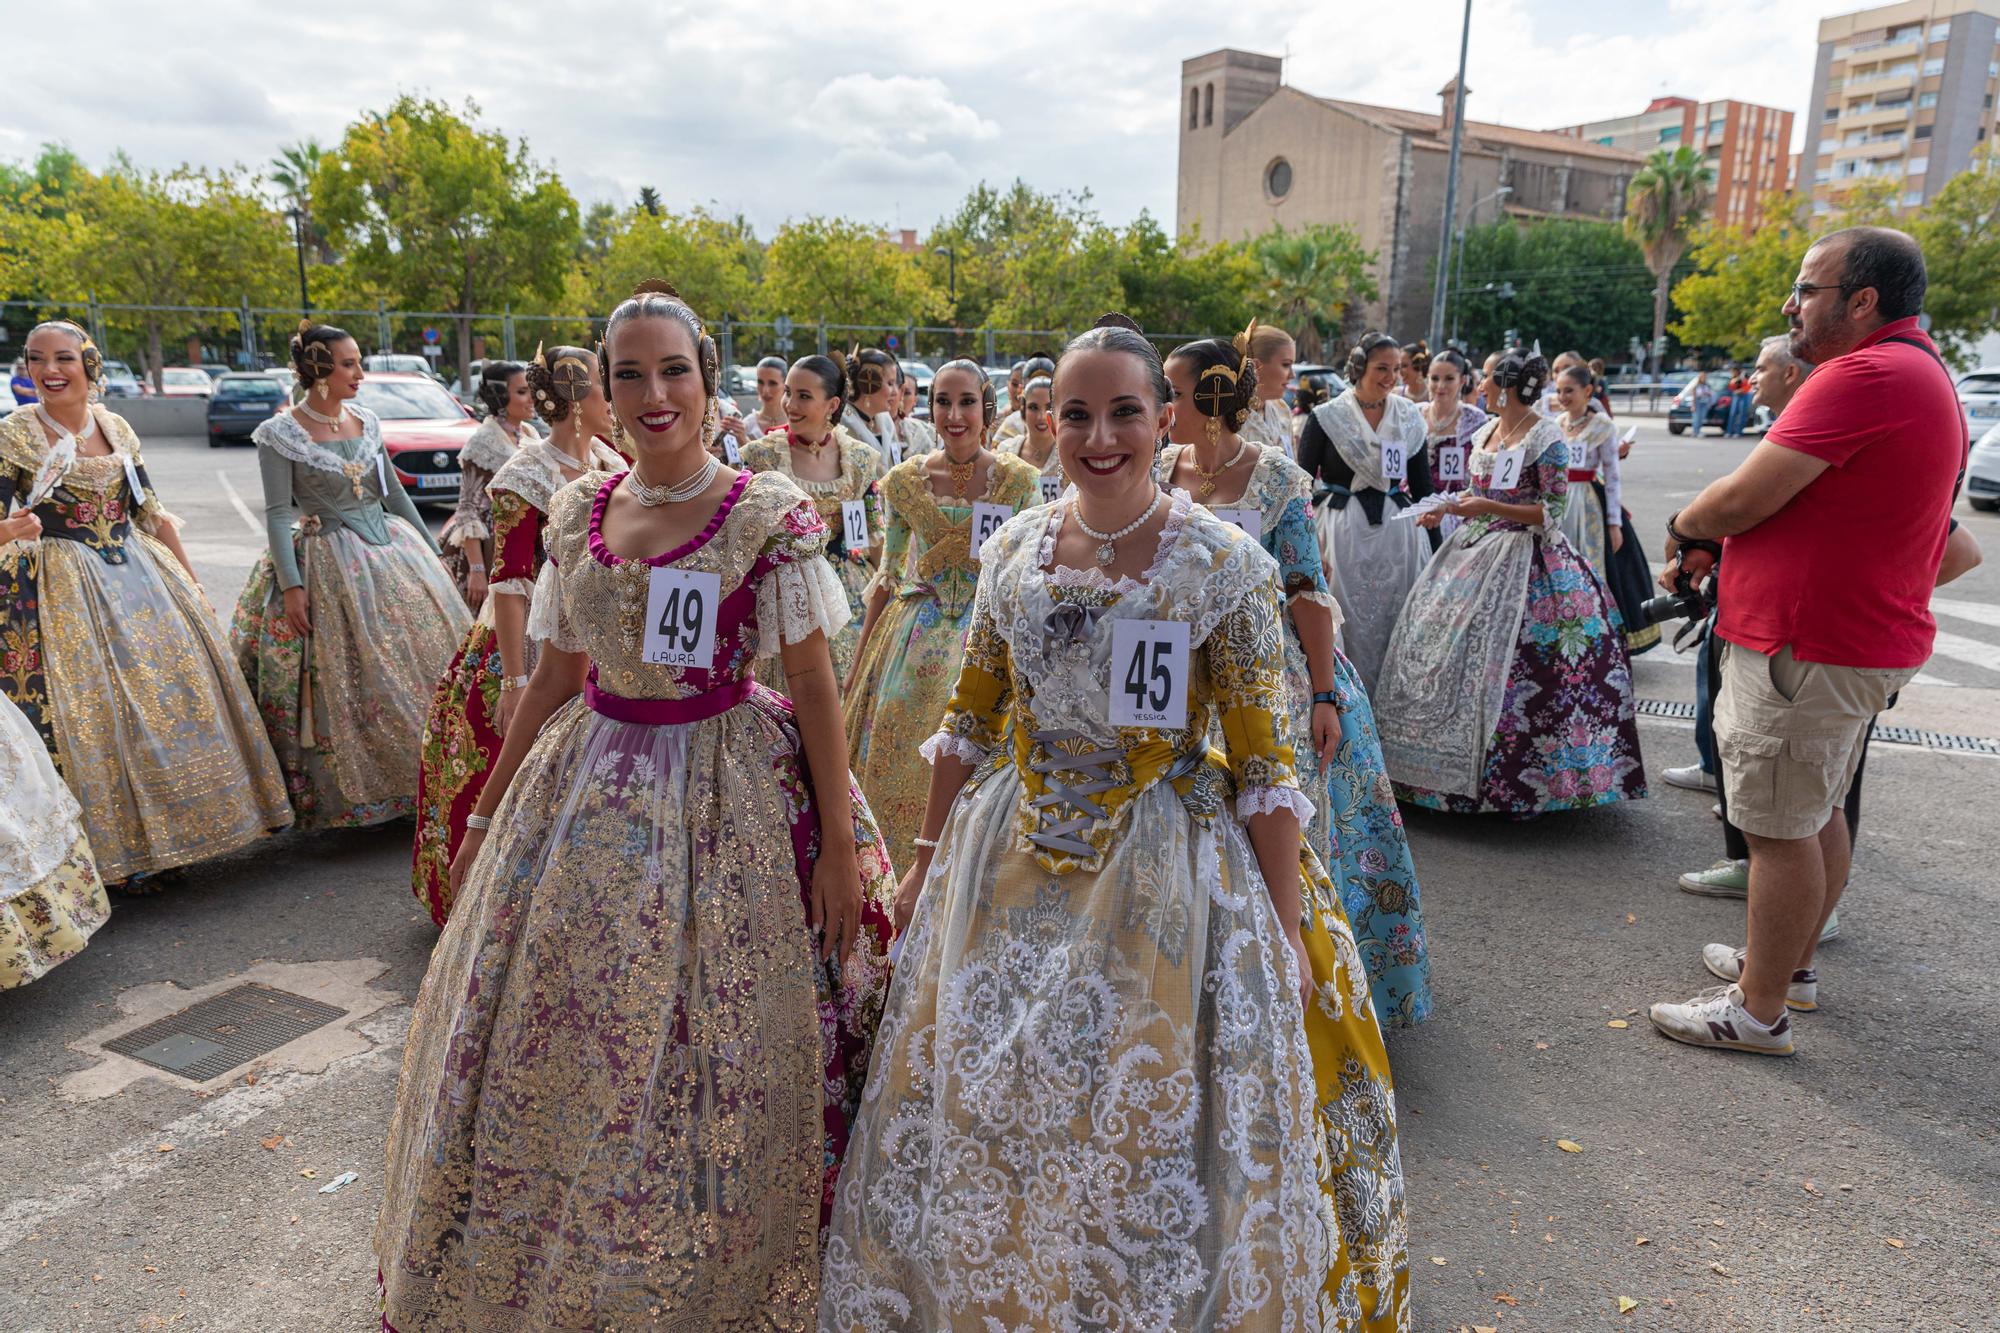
x=1326 y=697
x=514 y=682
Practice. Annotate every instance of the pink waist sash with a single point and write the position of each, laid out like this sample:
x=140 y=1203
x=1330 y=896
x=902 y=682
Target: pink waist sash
x=665 y=712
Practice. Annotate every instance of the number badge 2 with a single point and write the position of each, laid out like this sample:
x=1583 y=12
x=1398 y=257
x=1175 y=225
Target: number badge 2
x=680 y=618
x=1149 y=673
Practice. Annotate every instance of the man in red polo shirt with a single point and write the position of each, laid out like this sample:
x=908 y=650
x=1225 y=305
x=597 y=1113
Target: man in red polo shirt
x=1832 y=531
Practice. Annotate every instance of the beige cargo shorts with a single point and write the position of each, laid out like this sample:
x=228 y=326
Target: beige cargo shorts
x=1788 y=735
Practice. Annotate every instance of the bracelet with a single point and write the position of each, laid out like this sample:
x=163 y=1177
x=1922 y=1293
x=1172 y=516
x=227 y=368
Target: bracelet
x=925 y=842
x=514 y=682
x=1326 y=697
x=479 y=821
x=476 y=569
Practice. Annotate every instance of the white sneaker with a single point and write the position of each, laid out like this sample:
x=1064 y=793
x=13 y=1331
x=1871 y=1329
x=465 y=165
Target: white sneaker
x=1692 y=777
x=1802 y=994
x=1717 y=1018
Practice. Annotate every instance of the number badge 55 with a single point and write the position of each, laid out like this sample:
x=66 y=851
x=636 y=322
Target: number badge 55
x=1149 y=673
x=680 y=618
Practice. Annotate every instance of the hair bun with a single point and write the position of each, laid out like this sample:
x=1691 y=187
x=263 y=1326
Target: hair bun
x=660 y=286
x=1114 y=320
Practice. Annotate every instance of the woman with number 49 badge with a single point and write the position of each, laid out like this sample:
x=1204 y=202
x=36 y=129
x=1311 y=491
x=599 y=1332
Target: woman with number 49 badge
x=1129 y=1069
x=641 y=1040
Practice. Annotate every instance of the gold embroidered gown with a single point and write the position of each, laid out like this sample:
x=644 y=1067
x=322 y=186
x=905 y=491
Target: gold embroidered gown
x=345 y=705
x=112 y=653
x=905 y=674
x=51 y=899
x=1097 y=1102
x=860 y=475
x=628 y=1081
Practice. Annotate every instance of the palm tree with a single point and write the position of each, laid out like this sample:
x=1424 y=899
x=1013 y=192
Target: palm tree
x=1311 y=278
x=649 y=199
x=1665 y=202
x=293 y=169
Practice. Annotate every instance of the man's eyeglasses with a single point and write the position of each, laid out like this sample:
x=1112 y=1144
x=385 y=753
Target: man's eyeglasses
x=1801 y=290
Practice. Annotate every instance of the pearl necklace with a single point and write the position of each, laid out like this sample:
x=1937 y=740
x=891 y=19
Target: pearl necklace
x=323 y=419
x=651 y=496
x=1208 y=477
x=1106 y=541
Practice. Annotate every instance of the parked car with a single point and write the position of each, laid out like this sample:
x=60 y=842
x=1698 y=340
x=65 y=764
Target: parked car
x=185 y=382
x=1982 y=472
x=7 y=400
x=997 y=376
x=1680 y=412
x=215 y=370
x=120 y=382
x=923 y=375
x=240 y=403
x=1979 y=395
x=1324 y=378
x=423 y=428
x=399 y=363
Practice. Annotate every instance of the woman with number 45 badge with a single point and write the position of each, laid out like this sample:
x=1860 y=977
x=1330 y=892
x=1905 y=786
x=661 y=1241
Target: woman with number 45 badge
x=1121 y=970
x=921 y=602
x=1507 y=687
x=641 y=1040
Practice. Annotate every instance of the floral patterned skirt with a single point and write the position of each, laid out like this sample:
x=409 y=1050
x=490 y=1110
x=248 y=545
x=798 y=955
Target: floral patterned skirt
x=1567 y=732
x=629 y=1079
x=1137 y=1028
x=459 y=747
x=901 y=685
x=155 y=733
x=345 y=706
x=51 y=899
x=854 y=577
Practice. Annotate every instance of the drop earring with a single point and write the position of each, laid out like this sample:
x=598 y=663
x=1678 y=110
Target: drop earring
x=1214 y=429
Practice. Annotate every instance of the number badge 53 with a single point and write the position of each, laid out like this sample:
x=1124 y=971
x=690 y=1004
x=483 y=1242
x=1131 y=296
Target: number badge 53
x=1149 y=673
x=680 y=618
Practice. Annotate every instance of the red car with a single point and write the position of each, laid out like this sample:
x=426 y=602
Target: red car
x=423 y=428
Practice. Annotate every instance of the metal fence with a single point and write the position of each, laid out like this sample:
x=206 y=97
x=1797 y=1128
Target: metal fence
x=251 y=336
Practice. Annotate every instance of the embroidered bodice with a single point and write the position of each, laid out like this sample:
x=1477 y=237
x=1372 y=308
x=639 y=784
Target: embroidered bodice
x=346 y=483
x=1281 y=493
x=928 y=551
x=860 y=474
x=88 y=501
x=520 y=493
x=1037 y=678
x=1593 y=448
x=764 y=530
x=1544 y=474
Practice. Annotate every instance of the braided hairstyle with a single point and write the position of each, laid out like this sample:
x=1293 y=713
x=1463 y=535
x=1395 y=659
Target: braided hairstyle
x=556 y=396
x=870 y=370
x=1358 y=358
x=1419 y=353
x=493 y=385
x=1522 y=373
x=312 y=351
x=657 y=299
x=1220 y=359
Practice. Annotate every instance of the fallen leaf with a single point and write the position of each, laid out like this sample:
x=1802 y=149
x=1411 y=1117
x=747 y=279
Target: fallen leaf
x=1438 y=1259
x=1506 y=1299
x=1631 y=920
x=164 y=1147
x=1719 y=1222
x=1719 y=1270
x=273 y=1143
x=1643 y=1240
x=1541 y=1046
x=97 y=1277
x=1549 y=1236
x=1812 y=1189
x=1618 y=1023
x=1626 y=1305
x=250 y=1079
x=1484 y=1328
x=151 y=1269
x=310 y=1174
x=1568 y=1146
x=1892 y=1242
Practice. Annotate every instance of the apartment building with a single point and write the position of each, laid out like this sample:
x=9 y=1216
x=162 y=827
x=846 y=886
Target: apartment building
x=1903 y=92
x=1749 y=146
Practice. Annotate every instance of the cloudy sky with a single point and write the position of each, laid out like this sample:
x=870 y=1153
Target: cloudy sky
x=882 y=112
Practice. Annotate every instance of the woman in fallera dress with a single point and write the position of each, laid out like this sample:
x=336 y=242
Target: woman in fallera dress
x=1036 y=443
x=641 y=1041
x=1450 y=422
x=920 y=603
x=107 y=645
x=469 y=710
x=1365 y=453
x=1355 y=827
x=770 y=413
x=1507 y=687
x=51 y=897
x=1270 y=422
x=838 y=472
x=1120 y=964
x=349 y=616
x=467 y=537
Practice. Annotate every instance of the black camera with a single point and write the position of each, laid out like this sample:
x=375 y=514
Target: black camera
x=1688 y=601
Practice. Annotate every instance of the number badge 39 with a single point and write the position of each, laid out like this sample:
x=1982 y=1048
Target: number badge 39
x=680 y=618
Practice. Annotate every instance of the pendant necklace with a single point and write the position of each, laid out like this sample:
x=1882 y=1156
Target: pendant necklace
x=57 y=429
x=651 y=496
x=1208 y=477
x=1107 y=550
x=961 y=473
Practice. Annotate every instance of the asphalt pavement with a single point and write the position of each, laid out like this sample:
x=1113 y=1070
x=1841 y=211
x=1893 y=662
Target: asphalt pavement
x=1855 y=1186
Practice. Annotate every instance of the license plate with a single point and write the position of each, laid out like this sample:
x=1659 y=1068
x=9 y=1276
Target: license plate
x=437 y=481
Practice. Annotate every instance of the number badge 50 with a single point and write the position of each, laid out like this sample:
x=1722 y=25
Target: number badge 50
x=1149 y=673
x=680 y=618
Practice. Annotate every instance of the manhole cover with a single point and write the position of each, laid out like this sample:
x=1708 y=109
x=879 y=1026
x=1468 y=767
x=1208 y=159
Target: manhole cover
x=207 y=1040
x=1935 y=740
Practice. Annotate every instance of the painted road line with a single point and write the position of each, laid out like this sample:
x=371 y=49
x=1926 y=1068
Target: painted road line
x=1972 y=652
x=249 y=519
x=1979 y=613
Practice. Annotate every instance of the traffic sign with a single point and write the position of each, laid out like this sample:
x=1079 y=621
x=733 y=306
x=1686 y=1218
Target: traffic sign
x=430 y=335
x=892 y=342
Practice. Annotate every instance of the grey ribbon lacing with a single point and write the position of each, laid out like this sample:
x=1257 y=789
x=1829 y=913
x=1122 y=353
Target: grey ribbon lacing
x=1066 y=835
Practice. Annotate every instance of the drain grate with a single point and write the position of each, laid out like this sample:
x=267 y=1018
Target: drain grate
x=1933 y=740
x=207 y=1040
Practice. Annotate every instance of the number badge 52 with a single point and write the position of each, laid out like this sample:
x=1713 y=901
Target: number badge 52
x=1149 y=673
x=680 y=618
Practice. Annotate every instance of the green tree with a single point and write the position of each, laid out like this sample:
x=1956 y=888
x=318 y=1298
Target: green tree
x=1567 y=282
x=1312 y=278
x=293 y=169
x=186 y=237
x=1665 y=201
x=649 y=199
x=993 y=233
x=845 y=272
x=1186 y=286
x=425 y=204
x=1960 y=234
x=712 y=261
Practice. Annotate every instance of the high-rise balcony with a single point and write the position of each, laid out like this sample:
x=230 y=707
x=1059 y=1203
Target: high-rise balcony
x=1873 y=149
x=1869 y=115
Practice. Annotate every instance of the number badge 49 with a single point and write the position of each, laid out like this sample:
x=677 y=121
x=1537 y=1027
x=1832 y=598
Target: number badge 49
x=680 y=618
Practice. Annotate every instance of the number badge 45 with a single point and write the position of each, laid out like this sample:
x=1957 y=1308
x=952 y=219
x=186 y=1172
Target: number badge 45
x=1149 y=673
x=680 y=618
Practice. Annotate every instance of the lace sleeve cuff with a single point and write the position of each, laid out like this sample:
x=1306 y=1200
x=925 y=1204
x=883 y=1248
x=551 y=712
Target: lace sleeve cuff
x=794 y=600
x=546 y=618
x=155 y=517
x=515 y=587
x=1325 y=599
x=459 y=530
x=1269 y=800
x=952 y=747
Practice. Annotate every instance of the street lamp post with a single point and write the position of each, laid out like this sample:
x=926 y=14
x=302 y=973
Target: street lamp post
x=1463 y=227
x=298 y=218
x=951 y=279
x=1451 y=181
